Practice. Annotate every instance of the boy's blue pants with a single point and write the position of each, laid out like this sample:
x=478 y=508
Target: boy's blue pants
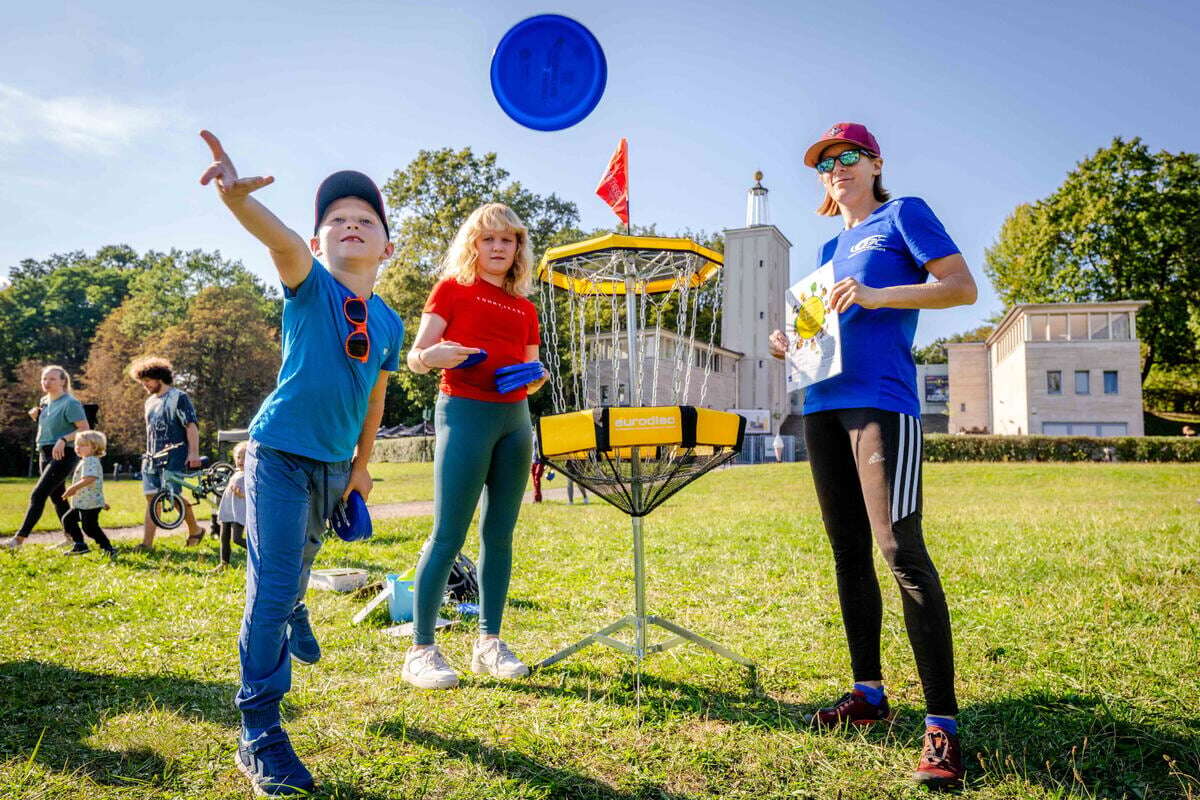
x=288 y=499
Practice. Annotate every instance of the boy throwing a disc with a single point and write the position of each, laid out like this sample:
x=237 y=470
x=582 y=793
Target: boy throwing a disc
x=312 y=437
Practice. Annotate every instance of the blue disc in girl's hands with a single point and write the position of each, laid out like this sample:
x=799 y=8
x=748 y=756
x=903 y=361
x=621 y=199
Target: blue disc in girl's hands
x=548 y=72
x=473 y=359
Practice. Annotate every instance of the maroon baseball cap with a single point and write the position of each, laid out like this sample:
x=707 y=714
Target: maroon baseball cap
x=848 y=132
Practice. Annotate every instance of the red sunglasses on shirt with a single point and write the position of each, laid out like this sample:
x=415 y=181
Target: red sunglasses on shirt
x=358 y=343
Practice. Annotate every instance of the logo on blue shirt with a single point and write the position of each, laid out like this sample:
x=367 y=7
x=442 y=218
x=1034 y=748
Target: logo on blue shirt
x=875 y=242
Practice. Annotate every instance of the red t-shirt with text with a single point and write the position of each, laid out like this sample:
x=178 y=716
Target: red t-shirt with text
x=485 y=316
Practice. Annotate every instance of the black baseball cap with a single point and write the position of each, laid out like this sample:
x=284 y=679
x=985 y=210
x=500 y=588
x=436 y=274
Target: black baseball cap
x=349 y=183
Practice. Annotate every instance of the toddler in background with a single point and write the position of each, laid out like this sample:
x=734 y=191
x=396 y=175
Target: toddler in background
x=231 y=514
x=86 y=492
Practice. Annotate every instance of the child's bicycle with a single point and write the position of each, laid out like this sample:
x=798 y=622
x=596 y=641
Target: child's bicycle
x=167 y=505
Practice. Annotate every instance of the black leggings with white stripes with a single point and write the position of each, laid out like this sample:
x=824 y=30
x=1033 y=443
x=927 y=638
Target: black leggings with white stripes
x=866 y=464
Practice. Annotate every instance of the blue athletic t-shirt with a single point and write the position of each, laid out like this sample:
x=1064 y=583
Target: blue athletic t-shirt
x=889 y=248
x=320 y=402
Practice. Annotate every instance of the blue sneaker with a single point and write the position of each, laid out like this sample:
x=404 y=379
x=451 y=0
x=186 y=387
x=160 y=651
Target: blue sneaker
x=302 y=642
x=272 y=765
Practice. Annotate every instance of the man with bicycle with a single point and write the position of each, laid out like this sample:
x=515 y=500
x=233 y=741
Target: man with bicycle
x=170 y=420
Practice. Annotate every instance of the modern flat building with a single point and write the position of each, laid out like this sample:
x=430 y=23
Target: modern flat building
x=664 y=377
x=1058 y=369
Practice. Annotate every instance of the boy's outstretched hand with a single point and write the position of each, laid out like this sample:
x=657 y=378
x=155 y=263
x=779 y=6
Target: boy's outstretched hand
x=229 y=185
x=289 y=252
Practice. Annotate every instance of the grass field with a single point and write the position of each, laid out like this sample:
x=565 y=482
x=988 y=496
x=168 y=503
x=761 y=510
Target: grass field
x=394 y=483
x=1074 y=589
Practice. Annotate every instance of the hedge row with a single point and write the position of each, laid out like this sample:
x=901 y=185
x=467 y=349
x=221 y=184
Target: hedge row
x=405 y=448
x=964 y=447
x=950 y=447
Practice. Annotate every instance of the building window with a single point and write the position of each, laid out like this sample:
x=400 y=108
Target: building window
x=1078 y=327
x=1037 y=327
x=760 y=263
x=1054 y=381
x=1085 y=429
x=716 y=363
x=604 y=394
x=1099 y=326
x=1057 y=330
x=760 y=363
x=962 y=406
x=760 y=315
x=1083 y=381
x=1119 y=324
x=621 y=393
x=1110 y=381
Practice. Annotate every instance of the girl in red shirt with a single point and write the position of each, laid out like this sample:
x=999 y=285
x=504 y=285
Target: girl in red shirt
x=482 y=436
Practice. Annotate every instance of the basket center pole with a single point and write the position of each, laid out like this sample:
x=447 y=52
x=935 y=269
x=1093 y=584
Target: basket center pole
x=635 y=465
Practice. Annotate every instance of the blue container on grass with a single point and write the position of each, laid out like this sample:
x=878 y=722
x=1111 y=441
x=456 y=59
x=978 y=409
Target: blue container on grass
x=400 y=602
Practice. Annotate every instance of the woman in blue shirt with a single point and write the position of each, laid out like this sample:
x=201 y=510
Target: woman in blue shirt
x=59 y=416
x=863 y=432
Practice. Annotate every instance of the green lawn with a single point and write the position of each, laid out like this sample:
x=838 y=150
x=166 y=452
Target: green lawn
x=1075 y=593
x=394 y=483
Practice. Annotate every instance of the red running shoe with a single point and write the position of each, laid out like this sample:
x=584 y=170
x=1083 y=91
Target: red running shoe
x=851 y=708
x=941 y=764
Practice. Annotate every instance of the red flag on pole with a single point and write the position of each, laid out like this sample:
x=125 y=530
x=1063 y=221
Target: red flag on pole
x=614 y=186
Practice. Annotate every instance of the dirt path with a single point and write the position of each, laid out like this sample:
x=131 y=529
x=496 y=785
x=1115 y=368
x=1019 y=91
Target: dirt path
x=416 y=508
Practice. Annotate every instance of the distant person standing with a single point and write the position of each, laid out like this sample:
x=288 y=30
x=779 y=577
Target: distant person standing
x=170 y=420
x=777 y=446
x=571 y=492
x=59 y=418
x=231 y=513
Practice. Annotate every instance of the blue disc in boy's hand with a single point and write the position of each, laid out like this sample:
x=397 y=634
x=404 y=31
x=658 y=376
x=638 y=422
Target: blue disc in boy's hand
x=473 y=359
x=350 y=519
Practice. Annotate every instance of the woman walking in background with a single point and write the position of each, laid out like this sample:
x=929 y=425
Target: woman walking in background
x=59 y=417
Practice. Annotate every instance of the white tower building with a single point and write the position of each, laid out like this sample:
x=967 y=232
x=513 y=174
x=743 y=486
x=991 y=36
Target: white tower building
x=757 y=261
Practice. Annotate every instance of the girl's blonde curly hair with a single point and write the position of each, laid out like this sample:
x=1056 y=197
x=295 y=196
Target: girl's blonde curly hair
x=459 y=262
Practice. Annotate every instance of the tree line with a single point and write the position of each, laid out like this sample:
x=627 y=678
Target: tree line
x=1124 y=224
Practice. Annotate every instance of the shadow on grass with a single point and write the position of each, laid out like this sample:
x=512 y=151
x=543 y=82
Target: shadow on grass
x=1064 y=743
x=61 y=707
x=1074 y=743
x=539 y=778
x=664 y=699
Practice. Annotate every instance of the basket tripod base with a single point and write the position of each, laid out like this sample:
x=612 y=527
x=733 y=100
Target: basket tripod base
x=682 y=636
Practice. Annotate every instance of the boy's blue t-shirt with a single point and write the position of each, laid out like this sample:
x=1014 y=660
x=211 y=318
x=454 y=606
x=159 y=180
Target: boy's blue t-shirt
x=888 y=248
x=320 y=402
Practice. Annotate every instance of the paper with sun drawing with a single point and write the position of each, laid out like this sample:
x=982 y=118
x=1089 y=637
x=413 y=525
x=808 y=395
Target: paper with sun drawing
x=814 y=338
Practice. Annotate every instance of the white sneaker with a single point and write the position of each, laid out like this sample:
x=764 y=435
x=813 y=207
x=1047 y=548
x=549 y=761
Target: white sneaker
x=12 y=543
x=425 y=668
x=492 y=657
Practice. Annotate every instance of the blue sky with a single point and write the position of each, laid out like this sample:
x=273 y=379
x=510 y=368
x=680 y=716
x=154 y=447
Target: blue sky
x=977 y=106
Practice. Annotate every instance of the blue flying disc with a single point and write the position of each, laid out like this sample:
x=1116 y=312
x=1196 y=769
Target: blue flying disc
x=548 y=72
x=473 y=359
x=517 y=375
x=350 y=519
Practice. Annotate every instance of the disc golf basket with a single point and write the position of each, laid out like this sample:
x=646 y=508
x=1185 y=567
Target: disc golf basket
x=633 y=306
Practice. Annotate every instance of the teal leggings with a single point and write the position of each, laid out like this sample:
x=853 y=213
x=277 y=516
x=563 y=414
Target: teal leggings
x=480 y=445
